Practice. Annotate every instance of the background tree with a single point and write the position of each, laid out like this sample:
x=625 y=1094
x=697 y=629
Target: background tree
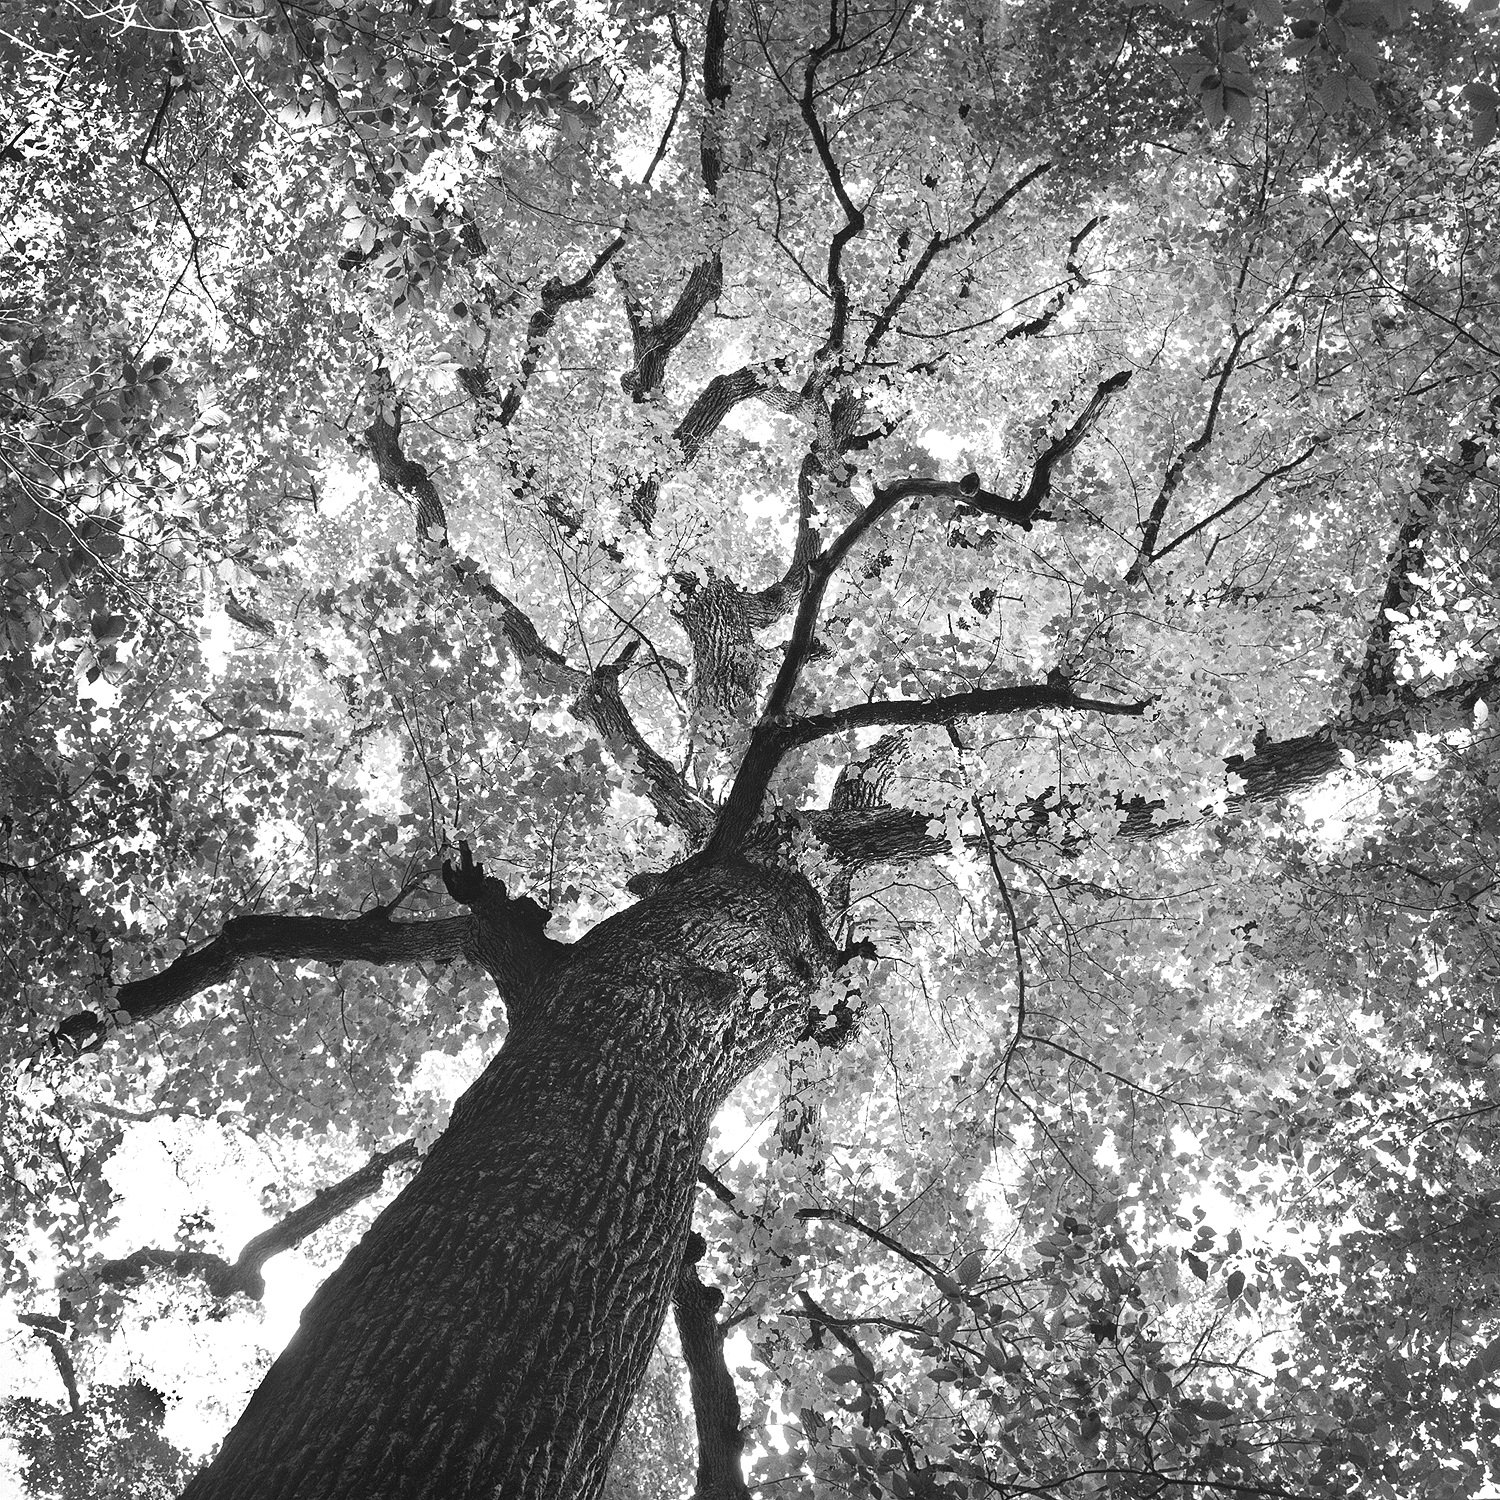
x=870 y=522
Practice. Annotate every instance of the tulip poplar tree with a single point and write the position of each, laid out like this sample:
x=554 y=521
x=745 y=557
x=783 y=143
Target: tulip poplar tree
x=916 y=582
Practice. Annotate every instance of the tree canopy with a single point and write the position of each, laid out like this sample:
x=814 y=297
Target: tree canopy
x=879 y=621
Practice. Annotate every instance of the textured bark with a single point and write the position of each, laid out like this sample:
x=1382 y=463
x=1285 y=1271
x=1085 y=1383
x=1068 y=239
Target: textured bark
x=486 y=1336
x=716 y=1403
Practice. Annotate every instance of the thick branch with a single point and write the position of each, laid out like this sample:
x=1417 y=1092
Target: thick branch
x=975 y=703
x=862 y=784
x=715 y=95
x=508 y=934
x=53 y=1332
x=1439 y=477
x=721 y=618
x=716 y=1404
x=245 y=1274
x=769 y=743
x=772 y=741
x=875 y=836
x=556 y=294
x=654 y=341
x=401 y=474
x=717 y=399
x=854 y=219
x=242 y=614
x=373 y=938
x=1028 y=507
x=602 y=705
x=1277 y=770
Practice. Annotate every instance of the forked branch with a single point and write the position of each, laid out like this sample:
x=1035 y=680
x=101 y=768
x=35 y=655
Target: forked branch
x=245 y=1274
x=778 y=731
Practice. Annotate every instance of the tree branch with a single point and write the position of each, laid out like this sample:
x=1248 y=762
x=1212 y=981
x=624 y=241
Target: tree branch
x=1028 y=508
x=862 y=784
x=602 y=705
x=854 y=219
x=1152 y=528
x=245 y=1273
x=716 y=1403
x=1280 y=471
x=1059 y=299
x=715 y=95
x=509 y=933
x=654 y=341
x=1278 y=769
x=53 y=1332
x=372 y=938
x=597 y=701
x=556 y=294
x=1440 y=476
x=774 y=739
x=938 y=243
x=975 y=703
x=768 y=743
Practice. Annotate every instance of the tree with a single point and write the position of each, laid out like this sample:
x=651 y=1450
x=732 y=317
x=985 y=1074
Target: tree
x=803 y=559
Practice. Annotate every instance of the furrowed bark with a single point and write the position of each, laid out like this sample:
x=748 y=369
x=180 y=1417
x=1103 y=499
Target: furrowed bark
x=486 y=1336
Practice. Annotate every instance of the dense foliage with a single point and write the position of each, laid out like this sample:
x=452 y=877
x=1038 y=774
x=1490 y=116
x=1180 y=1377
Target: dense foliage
x=1040 y=461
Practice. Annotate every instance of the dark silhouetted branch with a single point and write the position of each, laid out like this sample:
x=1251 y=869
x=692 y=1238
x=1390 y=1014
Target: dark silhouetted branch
x=716 y=1403
x=1151 y=527
x=372 y=938
x=1028 y=507
x=245 y=1273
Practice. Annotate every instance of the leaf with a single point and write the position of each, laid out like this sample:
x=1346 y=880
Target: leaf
x=968 y=1269
x=1235 y=1285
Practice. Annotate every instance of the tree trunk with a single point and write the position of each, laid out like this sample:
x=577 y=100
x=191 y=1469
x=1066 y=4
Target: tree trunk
x=487 y=1335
